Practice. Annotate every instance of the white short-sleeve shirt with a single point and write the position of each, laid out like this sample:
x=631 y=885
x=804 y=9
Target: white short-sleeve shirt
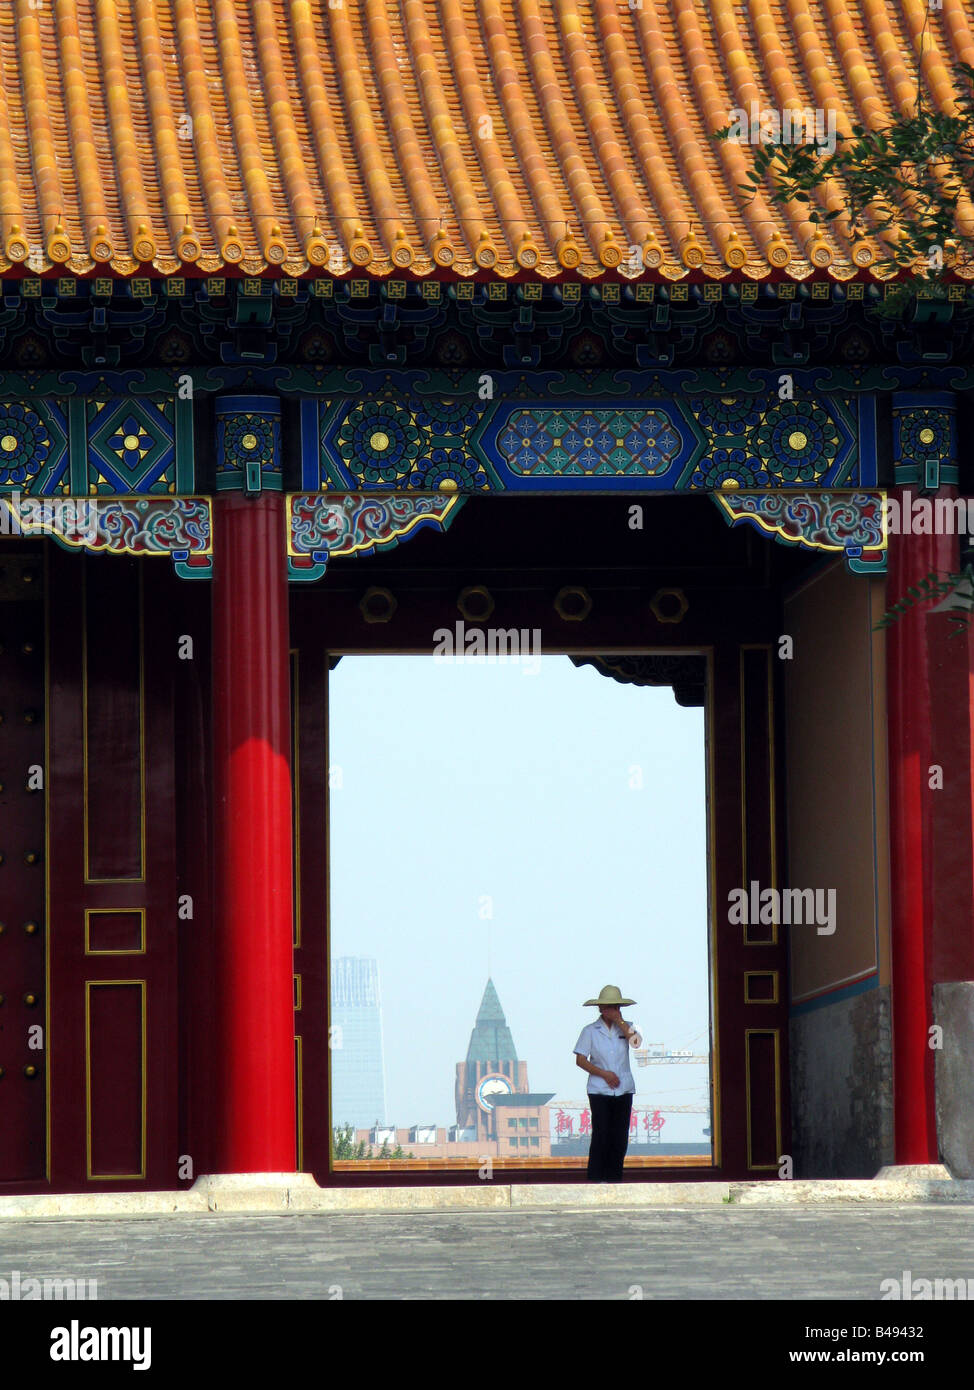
x=608 y=1049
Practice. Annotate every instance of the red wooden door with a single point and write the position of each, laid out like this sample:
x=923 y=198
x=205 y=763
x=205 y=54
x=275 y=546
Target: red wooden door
x=309 y=764
x=113 y=907
x=23 y=960
x=748 y=961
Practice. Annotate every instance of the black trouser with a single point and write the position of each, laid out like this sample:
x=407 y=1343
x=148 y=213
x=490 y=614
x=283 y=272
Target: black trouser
x=610 y=1137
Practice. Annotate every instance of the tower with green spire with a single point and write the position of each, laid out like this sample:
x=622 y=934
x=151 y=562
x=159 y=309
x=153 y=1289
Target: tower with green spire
x=491 y=1067
x=491 y=1039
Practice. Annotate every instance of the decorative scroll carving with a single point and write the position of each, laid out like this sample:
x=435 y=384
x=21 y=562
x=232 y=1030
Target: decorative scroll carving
x=176 y=527
x=320 y=525
x=839 y=522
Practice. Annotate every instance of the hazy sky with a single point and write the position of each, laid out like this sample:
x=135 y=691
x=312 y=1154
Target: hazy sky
x=471 y=789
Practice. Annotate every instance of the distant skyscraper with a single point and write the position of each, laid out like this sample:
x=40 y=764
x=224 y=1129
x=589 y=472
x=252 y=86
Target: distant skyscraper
x=358 y=1089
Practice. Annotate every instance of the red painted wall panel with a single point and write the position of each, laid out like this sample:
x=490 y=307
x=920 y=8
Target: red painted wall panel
x=113 y=720
x=114 y=1081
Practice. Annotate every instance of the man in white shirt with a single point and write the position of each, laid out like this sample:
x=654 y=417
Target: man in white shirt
x=602 y=1050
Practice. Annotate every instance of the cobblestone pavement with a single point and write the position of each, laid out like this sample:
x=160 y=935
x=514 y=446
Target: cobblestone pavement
x=724 y=1253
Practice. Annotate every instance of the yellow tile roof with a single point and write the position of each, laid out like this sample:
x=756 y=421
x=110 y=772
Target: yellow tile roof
x=409 y=135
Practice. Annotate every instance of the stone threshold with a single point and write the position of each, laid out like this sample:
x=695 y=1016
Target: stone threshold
x=262 y=1194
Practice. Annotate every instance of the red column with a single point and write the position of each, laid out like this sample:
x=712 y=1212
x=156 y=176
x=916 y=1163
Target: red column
x=911 y=703
x=255 y=1112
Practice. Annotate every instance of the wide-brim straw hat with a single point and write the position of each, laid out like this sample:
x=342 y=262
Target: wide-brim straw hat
x=609 y=995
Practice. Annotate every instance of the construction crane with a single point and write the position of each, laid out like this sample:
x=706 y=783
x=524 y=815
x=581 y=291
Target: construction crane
x=657 y=1055
x=667 y=1109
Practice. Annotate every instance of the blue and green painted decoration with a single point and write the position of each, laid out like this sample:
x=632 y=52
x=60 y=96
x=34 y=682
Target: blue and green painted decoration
x=524 y=441
x=248 y=444
x=81 y=446
x=378 y=451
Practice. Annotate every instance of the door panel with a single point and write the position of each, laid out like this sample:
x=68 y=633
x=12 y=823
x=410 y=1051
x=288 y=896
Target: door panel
x=23 y=940
x=113 y=884
x=309 y=696
x=751 y=1009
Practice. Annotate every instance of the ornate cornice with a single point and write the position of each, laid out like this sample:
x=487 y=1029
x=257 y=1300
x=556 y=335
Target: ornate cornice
x=687 y=675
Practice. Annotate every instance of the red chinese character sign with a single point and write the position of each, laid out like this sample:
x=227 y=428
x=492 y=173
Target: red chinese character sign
x=653 y=1124
x=564 y=1124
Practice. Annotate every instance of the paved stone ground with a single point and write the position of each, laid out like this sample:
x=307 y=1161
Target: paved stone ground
x=671 y=1254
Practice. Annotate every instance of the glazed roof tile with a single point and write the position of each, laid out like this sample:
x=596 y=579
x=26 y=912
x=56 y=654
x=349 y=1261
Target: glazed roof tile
x=422 y=136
